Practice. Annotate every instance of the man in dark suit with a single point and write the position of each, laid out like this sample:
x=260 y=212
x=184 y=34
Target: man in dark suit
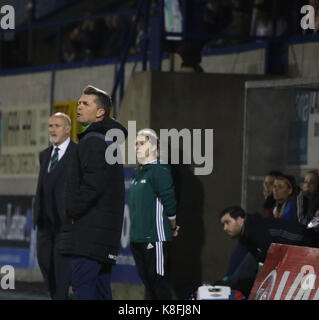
x=49 y=208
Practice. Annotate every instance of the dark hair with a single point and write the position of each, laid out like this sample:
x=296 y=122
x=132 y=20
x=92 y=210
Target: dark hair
x=270 y=202
x=274 y=173
x=103 y=99
x=291 y=181
x=234 y=212
x=314 y=172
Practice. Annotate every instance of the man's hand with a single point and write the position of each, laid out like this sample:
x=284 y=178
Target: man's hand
x=175 y=231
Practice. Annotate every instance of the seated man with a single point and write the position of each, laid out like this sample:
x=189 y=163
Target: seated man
x=257 y=233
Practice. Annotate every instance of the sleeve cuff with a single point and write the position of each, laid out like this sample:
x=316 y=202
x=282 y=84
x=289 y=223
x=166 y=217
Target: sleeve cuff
x=172 y=217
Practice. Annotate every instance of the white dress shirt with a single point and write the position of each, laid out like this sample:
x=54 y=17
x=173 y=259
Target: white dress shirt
x=62 y=148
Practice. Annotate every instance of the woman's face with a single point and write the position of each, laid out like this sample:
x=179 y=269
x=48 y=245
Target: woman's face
x=281 y=190
x=268 y=186
x=144 y=149
x=310 y=185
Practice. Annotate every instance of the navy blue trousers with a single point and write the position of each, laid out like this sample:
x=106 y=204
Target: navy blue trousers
x=91 y=280
x=236 y=258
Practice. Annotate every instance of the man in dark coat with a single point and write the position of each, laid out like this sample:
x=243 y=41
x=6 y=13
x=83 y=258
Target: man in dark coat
x=49 y=208
x=256 y=234
x=95 y=197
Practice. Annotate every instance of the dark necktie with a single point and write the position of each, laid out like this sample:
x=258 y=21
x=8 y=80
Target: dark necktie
x=54 y=159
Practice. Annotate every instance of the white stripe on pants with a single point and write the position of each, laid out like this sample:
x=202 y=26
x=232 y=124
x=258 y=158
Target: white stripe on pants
x=159 y=258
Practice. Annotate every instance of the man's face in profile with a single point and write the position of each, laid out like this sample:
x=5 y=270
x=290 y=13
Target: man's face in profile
x=232 y=226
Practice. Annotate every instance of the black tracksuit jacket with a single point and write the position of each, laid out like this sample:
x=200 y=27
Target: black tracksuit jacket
x=259 y=233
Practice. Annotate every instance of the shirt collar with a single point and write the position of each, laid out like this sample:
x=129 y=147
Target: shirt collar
x=141 y=166
x=153 y=161
x=64 y=145
x=149 y=162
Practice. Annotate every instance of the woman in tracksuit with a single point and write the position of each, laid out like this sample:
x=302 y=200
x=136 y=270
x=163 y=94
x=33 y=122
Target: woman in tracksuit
x=152 y=215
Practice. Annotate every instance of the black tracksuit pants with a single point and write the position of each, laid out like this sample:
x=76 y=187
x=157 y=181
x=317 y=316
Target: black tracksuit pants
x=151 y=260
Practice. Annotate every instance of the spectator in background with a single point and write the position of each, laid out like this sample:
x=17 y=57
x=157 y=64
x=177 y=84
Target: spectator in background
x=285 y=192
x=189 y=48
x=263 y=24
x=89 y=37
x=217 y=17
x=315 y=4
x=24 y=42
x=206 y=23
x=139 y=38
x=72 y=46
x=82 y=42
x=114 y=32
x=28 y=20
x=241 y=13
x=268 y=186
x=310 y=193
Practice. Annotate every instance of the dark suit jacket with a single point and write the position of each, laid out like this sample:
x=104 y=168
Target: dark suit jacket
x=59 y=175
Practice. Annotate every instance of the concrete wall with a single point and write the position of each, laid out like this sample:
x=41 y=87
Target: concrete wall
x=246 y=62
x=269 y=112
x=202 y=101
x=35 y=89
x=303 y=60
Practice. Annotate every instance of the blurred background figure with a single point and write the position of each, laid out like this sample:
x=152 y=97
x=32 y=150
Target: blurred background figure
x=114 y=31
x=268 y=186
x=262 y=23
x=315 y=5
x=284 y=193
x=310 y=194
x=82 y=42
x=217 y=17
x=24 y=39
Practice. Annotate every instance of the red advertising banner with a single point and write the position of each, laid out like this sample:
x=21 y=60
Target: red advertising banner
x=289 y=273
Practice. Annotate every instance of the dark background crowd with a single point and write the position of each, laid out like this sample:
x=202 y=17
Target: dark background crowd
x=101 y=32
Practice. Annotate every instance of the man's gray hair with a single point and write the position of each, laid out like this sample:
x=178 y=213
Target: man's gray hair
x=65 y=116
